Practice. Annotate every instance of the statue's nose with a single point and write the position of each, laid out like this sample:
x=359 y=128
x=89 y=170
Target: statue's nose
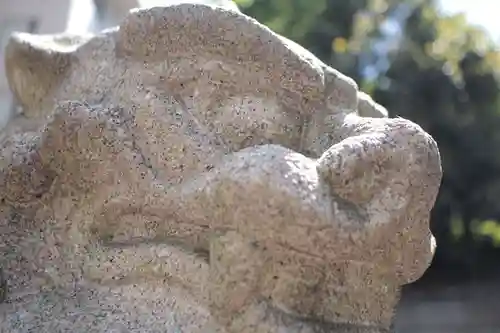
x=378 y=169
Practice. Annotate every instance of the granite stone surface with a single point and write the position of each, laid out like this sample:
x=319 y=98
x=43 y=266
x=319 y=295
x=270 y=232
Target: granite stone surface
x=192 y=171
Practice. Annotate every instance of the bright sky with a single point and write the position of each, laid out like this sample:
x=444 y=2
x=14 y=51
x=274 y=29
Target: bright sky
x=479 y=12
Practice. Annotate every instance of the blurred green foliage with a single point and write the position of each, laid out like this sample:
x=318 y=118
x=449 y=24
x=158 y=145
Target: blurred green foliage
x=434 y=69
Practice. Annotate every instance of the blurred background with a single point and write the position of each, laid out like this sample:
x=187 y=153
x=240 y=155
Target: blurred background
x=436 y=62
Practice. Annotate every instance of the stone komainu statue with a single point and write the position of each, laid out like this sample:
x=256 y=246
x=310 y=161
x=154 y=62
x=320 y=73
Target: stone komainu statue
x=193 y=171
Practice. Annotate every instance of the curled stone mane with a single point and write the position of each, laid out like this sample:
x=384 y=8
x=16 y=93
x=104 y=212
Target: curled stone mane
x=194 y=171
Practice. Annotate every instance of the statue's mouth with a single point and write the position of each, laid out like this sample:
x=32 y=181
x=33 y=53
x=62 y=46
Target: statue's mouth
x=286 y=321
x=141 y=259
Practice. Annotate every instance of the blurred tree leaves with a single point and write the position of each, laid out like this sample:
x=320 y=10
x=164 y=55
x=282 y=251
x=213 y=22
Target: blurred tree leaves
x=444 y=77
x=436 y=70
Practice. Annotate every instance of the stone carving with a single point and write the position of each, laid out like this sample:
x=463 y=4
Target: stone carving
x=192 y=171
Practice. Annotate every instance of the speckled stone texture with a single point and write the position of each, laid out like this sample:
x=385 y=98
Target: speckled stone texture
x=192 y=171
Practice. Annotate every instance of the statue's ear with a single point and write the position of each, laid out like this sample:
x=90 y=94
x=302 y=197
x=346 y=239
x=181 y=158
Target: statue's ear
x=36 y=65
